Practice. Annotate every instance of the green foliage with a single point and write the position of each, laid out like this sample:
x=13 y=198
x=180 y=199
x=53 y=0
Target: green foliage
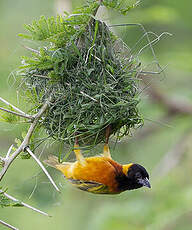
x=1 y=163
x=107 y=92
x=82 y=66
x=61 y=30
x=55 y=30
x=23 y=155
x=122 y=6
x=6 y=202
x=18 y=141
x=168 y=204
x=9 y=117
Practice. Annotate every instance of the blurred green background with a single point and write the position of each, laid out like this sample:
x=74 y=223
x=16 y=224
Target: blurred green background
x=168 y=205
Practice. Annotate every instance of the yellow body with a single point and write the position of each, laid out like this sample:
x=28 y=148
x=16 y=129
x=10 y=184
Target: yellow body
x=93 y=174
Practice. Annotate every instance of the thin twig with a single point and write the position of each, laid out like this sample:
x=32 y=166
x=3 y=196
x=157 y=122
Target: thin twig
x=8 y=225
x=30 y=49
x=7 y=162
x=9 y=104
x=86 y=95
x=150 y=43
x=33 y=188
x=9 y=151
x=17 y=114
x=24 y=204
x=153 y=42
x=42 y=167
x=42 y=76
x=3 y=159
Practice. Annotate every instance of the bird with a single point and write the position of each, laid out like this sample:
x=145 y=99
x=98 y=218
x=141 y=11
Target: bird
x=101 y=174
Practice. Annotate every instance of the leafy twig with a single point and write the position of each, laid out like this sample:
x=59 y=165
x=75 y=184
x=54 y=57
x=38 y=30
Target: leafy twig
x=27 y=149
x=9 y=104
x=2 y=159
x=8 y=225
x=17 y=114
x=24 y=144
x=23 y=204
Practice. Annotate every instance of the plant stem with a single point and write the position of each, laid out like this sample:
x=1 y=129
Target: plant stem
x=32 y=50
x=8 y=225
x=24 y=204
x=9 y=104
x=42 y=167
x=7 y=162
x=17 y=114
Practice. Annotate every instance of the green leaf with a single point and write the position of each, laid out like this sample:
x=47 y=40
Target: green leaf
x=9 y=117
x=6 y=202
x=18 y=142
x=60 y=29
x=122 y=6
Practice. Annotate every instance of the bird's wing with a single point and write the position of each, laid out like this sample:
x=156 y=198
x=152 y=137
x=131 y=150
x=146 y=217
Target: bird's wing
x=90 y=186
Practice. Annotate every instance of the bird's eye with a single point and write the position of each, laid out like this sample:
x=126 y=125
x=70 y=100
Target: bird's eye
x=138 y=175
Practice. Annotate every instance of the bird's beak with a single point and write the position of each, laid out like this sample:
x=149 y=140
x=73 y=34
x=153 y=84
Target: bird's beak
x=145 y=182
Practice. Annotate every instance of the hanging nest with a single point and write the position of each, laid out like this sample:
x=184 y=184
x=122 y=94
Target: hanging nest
x=91 y=83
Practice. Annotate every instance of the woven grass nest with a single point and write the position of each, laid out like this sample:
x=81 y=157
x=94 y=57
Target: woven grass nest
x=91 y=83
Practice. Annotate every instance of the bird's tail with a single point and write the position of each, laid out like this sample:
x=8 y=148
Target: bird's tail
x=52 y=161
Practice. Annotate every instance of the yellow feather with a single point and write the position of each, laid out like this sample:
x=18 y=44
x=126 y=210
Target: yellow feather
x=52 y=161
x=126 y=168
x=63 y=167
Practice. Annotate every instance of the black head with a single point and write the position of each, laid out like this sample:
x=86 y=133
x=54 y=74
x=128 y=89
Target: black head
x=136 y=177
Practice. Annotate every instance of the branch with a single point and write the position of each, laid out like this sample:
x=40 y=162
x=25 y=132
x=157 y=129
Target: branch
x=8 y=225
x=24 y=204
x=2 y=159
x=9 y=104
x=42 y=167
x=17 y=114
x=21 y=148
x=9 y=151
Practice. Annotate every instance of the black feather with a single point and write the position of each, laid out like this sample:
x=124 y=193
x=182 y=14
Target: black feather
x=131 y=180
